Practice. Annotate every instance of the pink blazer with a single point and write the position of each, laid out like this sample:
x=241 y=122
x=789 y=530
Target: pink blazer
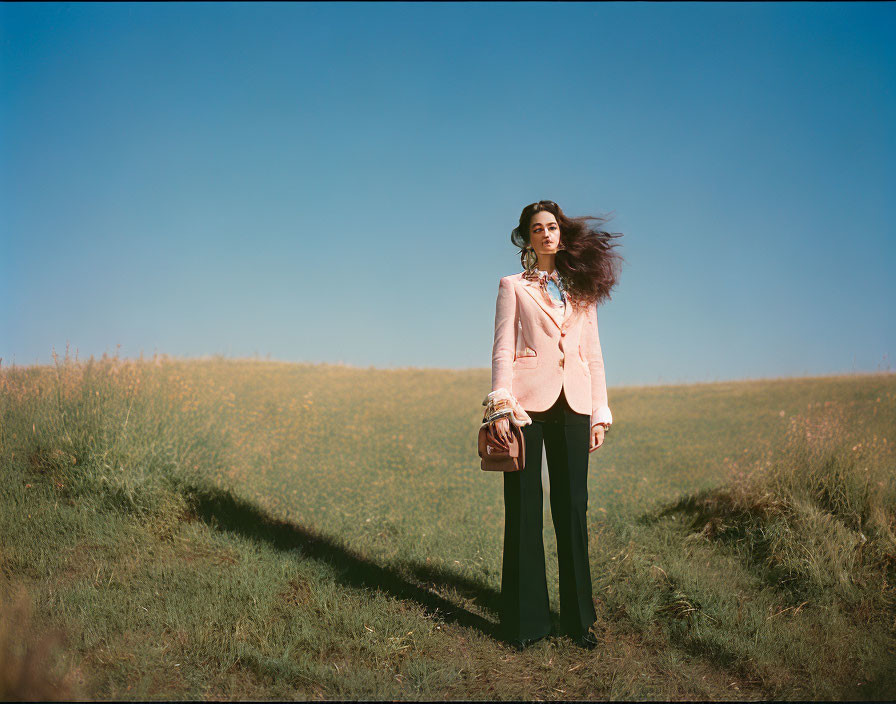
x=537 y=353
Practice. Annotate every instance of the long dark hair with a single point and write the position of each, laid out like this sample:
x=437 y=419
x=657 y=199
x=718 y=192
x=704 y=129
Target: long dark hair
x=587 y=264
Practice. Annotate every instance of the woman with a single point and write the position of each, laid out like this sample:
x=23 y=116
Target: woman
x=548 y=369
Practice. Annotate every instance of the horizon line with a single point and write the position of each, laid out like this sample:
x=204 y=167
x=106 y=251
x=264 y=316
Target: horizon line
x=164 y=357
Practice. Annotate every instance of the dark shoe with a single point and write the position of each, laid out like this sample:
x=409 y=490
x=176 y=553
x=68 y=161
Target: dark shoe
x=587 y=640
x=520 y=645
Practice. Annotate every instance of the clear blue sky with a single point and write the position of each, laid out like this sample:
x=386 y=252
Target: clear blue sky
x=338 y=182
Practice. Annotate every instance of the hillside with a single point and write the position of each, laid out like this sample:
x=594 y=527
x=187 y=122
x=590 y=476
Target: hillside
x=244 y=529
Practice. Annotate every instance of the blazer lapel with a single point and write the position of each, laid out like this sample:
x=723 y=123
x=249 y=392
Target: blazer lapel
x=534 y=290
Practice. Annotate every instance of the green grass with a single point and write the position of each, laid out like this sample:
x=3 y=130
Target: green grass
x=245 y=529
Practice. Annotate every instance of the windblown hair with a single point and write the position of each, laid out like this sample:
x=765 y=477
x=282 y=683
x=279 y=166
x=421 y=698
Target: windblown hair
x=587 y=264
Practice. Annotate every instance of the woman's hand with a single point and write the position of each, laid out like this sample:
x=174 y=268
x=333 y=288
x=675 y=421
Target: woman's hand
x=500 y=431
x=597 y=437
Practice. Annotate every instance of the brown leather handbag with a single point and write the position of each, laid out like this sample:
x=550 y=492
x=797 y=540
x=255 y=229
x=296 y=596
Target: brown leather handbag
x=497 y=457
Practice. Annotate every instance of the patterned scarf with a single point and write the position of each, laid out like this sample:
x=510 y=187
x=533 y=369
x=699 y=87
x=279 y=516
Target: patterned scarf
x=551 y=285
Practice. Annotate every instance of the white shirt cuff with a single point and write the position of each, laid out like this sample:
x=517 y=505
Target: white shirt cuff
x=601 y=415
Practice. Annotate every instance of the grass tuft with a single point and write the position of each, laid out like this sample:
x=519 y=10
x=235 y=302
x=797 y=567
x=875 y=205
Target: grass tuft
x=816 y=515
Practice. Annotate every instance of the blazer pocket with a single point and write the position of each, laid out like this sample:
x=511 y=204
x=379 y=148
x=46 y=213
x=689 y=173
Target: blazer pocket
x=584 y=361
x=526 y=359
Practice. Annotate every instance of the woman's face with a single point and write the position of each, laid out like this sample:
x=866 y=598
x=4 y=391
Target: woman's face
x=544 y=233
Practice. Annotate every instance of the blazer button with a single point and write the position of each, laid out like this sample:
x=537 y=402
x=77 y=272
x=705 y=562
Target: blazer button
x=563 y=333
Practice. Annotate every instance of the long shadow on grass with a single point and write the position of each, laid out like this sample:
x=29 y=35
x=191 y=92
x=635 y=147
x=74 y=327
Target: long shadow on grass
x=222 y=510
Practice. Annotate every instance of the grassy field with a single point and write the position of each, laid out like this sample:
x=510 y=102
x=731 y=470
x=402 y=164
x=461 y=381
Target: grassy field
x=246 y=529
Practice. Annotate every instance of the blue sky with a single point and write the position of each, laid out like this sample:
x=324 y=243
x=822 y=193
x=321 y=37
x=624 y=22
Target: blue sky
x=338 y=182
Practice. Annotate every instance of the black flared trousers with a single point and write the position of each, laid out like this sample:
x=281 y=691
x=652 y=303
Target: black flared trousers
x=525 y=609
